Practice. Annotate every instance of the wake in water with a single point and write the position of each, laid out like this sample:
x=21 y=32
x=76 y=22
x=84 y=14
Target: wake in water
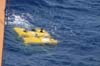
x=16 y=20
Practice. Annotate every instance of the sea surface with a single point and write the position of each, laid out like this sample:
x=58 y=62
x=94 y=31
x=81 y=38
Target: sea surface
x=75 y=23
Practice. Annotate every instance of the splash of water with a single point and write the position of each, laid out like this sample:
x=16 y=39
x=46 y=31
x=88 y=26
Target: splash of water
x=19 y=21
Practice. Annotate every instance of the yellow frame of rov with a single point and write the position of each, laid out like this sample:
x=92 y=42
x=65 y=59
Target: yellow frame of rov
x=35 y=37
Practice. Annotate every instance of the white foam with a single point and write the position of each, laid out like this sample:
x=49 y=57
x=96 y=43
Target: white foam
x=18 y=20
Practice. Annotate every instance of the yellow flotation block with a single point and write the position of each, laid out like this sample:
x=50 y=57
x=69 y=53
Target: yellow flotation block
x=35 y=37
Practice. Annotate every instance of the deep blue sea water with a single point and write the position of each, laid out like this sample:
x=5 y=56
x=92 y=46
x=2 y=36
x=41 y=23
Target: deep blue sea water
x=75 y=23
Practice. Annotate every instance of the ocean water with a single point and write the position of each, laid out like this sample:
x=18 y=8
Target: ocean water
x=75 y=23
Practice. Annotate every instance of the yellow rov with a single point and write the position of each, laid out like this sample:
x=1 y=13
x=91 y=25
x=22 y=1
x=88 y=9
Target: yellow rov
x=35 y=36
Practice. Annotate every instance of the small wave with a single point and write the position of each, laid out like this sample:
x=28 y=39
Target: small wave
x=19 y=20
